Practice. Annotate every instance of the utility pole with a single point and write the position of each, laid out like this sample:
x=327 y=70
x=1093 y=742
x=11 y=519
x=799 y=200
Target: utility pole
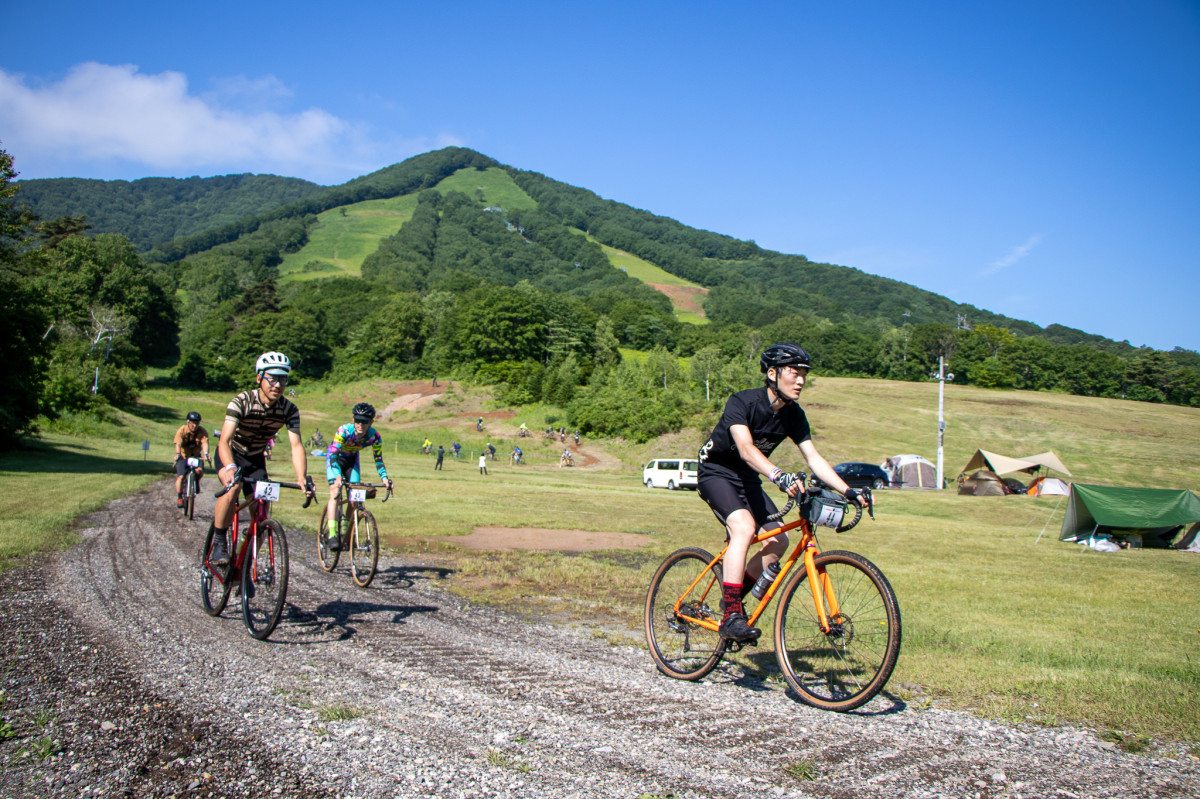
x=942 y=376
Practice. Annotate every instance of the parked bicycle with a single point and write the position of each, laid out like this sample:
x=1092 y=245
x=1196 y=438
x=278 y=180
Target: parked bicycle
x=191 y=487
x=357 y=534
x=258 y=562
x=836 y=642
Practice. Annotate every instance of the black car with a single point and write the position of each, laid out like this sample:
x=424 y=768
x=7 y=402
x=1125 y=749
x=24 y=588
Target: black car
x=862 y=475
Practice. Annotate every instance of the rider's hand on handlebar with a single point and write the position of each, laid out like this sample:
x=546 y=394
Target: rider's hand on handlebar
x=788 y=482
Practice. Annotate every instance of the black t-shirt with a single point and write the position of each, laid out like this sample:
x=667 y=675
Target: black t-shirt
x=752 y=408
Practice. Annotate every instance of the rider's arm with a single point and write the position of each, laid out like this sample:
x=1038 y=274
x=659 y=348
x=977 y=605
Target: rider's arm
x=179 y=443
x=753 y=456
x=377 y=449
x=299 y=456
x=225 y=474
x=823 y=471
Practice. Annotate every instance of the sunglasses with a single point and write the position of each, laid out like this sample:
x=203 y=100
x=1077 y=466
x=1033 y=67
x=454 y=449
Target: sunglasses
x=277 y=380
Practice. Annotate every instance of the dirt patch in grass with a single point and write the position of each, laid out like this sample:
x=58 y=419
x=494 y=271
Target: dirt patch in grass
x=684 y=298
x=505 y=538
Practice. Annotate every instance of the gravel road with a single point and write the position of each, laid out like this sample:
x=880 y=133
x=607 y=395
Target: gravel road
x=119 y=685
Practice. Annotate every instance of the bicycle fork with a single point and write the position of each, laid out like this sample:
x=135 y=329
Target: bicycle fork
x=822 y=591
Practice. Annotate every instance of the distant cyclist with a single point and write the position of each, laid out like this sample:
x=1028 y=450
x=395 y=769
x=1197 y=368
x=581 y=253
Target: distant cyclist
x=342 y=463
x=191 y=441
x=515 y=455
x=753 y=424
x=251 y=420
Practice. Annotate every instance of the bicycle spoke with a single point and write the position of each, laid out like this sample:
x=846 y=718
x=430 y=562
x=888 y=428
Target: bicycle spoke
x=844 y=668
x=681 y=648
x=264 y=579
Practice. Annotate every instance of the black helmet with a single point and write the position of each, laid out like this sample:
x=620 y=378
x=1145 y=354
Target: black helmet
x=193 y=416
x=363 y=412
x=784 y=355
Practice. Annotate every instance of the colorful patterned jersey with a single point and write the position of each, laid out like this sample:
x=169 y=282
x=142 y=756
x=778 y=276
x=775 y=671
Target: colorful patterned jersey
x=346 y=443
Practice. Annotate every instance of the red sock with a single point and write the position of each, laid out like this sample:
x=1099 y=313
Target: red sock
x=732 y=599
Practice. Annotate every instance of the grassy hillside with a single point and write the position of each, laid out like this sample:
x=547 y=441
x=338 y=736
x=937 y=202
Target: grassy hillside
x=344 y=236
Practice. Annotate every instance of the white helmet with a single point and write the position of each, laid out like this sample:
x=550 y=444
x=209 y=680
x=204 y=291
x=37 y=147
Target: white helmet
x=272 y=363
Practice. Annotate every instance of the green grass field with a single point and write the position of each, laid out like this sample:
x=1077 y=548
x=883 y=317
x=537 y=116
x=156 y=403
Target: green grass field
x=995 y=621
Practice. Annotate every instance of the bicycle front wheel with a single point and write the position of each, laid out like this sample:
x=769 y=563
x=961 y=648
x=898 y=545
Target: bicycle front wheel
x=214 y=591
x=847 y=666
x=265 y=579
x=327 y=556
x=189 y=502
x=684 y=649
x=364 y=549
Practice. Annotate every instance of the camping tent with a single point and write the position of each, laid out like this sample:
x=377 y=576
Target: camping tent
x=1048 y=487
x=1157 y=514
x=982 y=484
x=1049 y=460
x=910 y=471
x=1000 y=464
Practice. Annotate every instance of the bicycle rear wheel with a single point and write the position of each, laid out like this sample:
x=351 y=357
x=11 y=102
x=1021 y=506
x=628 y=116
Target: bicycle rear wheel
x=364 y=549
x=683 y=649
x=264 y=579
x=848 y=666
x=327 y=556
x=214 y=591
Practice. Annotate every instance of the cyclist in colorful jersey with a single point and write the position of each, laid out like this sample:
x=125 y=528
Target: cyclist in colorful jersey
x=191 y=441
x=342 y=463
x=251 y=420
x=754 y=423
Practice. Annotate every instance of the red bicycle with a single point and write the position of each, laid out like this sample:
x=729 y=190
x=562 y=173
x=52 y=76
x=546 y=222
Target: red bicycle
x=258 y=562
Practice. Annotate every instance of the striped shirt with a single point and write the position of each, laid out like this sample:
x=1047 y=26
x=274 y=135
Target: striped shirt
x=258 y=423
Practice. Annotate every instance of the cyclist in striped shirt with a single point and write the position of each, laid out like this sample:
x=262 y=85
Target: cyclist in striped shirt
x=251 y=420
x=341 y=462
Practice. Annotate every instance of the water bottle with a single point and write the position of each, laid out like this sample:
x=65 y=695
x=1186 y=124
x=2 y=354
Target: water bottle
x=764 y=582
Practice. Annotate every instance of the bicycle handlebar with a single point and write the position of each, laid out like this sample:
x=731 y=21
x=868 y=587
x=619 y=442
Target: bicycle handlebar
x=815 y=491
x=308 y=488
x=386 y=496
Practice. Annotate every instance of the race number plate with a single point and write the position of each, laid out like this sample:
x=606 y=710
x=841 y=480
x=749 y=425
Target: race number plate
x=193 y=462
x=267 y=491
x=358 y=495
x=830 y=516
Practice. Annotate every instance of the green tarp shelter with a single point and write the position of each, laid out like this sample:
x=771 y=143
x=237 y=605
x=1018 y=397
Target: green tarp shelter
x=1156 y=514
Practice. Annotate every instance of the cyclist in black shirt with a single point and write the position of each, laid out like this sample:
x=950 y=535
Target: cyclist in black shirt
x=754 y=423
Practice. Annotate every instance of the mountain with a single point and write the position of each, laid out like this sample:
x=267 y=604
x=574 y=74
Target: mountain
x=150 y=211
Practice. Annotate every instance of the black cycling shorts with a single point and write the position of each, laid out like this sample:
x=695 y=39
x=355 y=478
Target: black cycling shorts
x=724 y=496
x=254 y=467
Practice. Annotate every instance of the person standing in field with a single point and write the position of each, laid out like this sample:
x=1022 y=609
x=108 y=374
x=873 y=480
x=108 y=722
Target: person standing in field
x=483 y=463
x=441 y=453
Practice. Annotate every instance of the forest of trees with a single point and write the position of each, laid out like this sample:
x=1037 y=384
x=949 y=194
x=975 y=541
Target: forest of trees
x=516 y=299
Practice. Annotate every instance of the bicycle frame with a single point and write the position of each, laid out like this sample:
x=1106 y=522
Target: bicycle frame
x=806 y=547
x=343 y=500
x=259 y=514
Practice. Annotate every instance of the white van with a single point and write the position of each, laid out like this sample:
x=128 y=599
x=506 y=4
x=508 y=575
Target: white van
x=671 y=474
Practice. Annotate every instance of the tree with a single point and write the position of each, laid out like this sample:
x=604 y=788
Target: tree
x=706 y=367
x=22 y=321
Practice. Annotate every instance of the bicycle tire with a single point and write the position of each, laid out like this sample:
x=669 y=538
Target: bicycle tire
x=684 y=650
x=846 y=668
x=327 y=557
x=214 y=592
x=264 y=579
x=364 y=550
x=189 y=503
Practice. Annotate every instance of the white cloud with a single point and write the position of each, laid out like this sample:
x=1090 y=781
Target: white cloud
x=101 y=114
x=1016 y=254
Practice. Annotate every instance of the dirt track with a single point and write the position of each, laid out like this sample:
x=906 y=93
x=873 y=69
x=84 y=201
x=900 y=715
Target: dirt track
x=402 y=690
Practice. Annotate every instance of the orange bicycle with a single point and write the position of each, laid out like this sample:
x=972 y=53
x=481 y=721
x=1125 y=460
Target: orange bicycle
x=837 y=623
x=259 y=560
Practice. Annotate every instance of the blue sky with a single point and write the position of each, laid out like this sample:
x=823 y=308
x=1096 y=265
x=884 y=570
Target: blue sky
x=1037 y=159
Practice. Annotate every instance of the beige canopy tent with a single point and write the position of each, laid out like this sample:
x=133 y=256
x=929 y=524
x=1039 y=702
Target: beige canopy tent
x=999 y=464
x=1050 y=461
